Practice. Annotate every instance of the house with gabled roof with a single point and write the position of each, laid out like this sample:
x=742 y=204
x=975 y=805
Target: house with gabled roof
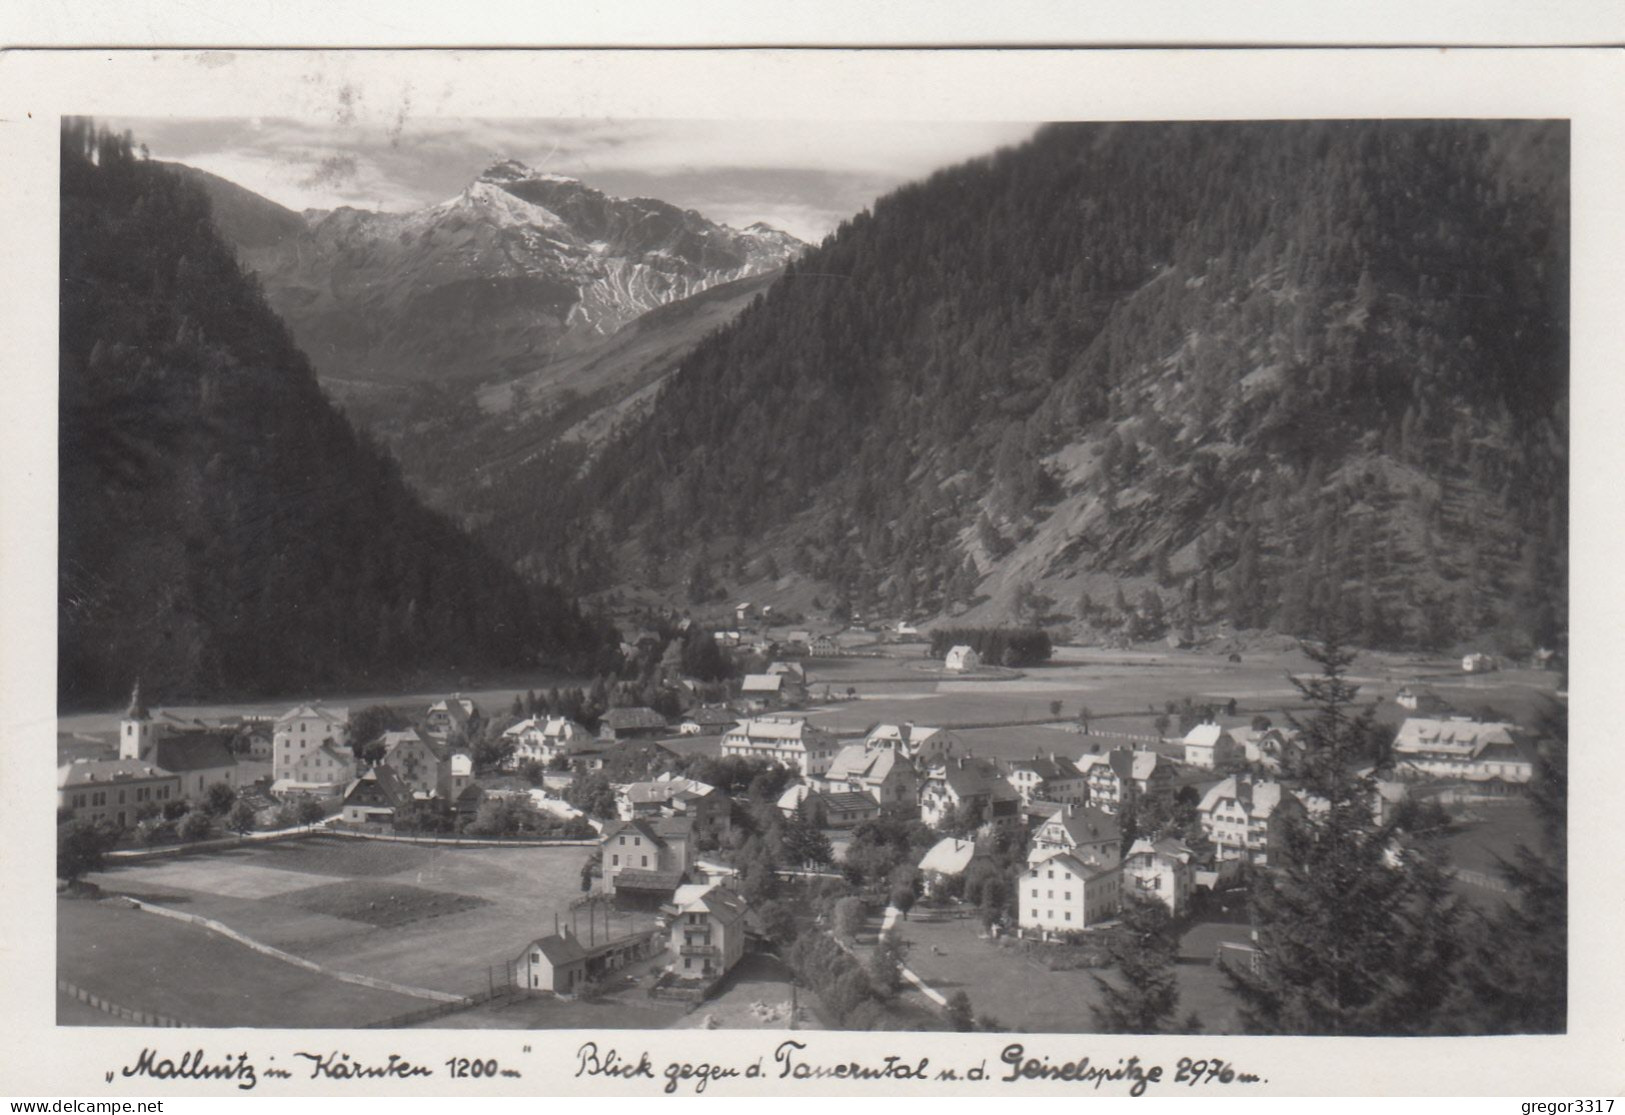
x=764 y=692
x=1243 y=817
x=675 y=796
x=544 y=738
x=1462 y=749
x=925 y=746
x=1273 y=749
x=964 y=784
x=962 y=659
x=1210 y=747
x=632 y=723
x=881 y=772
x=1120 y=774
x=1091 y=834
x=457 y=715
x=1164 y=870
x=705 y=720
x=374 y=796
x=948 y=859
x=327 y=766
x=112 y=790
x=707 y=930
x=824 y=646
x=647 y=858
x=414 y=759
x=1047 y=778
x=303 y=729
x=835 y=809
x=787 y=740
x=1063 y=893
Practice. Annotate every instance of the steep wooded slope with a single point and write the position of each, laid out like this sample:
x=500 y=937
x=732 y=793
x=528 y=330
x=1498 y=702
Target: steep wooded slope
x=223 y=529
x=1275 y=374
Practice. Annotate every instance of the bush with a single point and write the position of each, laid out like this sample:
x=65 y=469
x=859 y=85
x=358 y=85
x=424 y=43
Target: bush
x=196 y=825
x=850 y=913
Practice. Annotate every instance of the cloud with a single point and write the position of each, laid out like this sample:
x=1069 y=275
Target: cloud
x=804 y=176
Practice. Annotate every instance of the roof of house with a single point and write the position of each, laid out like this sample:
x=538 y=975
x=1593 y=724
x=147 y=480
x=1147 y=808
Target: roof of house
x=762 y=683
x=1466 y=737
x=1260 y=798
x=792 y=669
x=711 y=716
x=558 y=948
x=968 y=776
x=949 y=856
x=1071 y=863
x=866 y=764
x=622 y=719
x=664 y=789
x=97 y=772
x=648 y=880
x=194 y=751
x=1047 y=768
x=394 y=790
x=849 y=801
x=1086 y=824
x=714 y=899
x=1167 y=846
x=1205 y=735
x=775 y=728
x=316 y=711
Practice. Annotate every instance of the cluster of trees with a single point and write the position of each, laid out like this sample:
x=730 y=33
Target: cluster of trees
x=223 y=529
x=997 y=646
x=1239 y=318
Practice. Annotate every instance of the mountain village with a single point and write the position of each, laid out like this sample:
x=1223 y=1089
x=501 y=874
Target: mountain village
x=949 y=830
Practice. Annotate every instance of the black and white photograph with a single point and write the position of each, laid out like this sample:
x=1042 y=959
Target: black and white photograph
x=577 y=574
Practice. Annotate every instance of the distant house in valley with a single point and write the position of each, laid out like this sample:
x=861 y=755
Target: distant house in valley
x=1048 y=778
x=374 y=797
x=841 y=809
x=707 y=720
x=112 y=790
x=670 y=796
x=415 y=760
x=707 y=930
x=328 y=766
x=1090 y=834
x=1459 y=748
x=967 y=786
x=948 y=859
x=1062 y=893
x=1120 y=774
x=924 y=746
x=883 y=773
x=544 y=739
x=1478 y=664
x=786 y=740
x=1210 y=747
x=646 y=859
x=962 y=658
x=766 y=692
x=824 y=646
x=1163 y=869
x=1421 y=700
x=303 y=729
x=632 y=723
x=1273 y=749
x=457 y=715
x=800 y=639
x=565 y=965
x=1243 y=817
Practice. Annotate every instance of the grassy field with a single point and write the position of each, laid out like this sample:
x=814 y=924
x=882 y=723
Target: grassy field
x=432 y=917
x=149 y=963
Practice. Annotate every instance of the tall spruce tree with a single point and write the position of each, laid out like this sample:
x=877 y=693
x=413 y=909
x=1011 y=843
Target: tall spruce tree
x=1357 y=931
x=1144 y=997
x=1517 y=981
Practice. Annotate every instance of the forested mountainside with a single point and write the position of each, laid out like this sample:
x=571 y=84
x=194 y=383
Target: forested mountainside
x=223 y=529
x=519 y=268
x=1133 y=376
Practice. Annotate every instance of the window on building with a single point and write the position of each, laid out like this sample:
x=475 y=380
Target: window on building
x=646 y=861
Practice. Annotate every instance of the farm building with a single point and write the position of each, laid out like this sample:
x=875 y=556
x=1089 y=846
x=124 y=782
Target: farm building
x=947 y=859
x=962 y=658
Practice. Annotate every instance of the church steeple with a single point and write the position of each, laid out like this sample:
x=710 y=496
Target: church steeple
x=137 y=709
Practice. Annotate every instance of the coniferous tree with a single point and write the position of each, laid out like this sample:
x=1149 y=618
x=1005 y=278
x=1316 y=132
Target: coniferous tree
x=1145 y=995
x=1357 y=933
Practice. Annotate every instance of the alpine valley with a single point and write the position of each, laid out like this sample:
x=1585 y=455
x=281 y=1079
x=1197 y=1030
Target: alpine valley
x=1134 y=380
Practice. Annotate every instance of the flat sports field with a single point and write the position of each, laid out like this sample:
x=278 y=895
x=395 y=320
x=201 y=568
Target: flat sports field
x=426 y=917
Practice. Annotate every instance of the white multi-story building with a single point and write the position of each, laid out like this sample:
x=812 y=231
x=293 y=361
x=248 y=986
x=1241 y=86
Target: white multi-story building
x=302 y=730
x=787 y=740
x=1462 y=748
x=1061 y=893
x=1243 y=816
x=1164 y=870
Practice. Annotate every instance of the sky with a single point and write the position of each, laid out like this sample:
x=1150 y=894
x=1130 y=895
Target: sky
x=804 y=177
